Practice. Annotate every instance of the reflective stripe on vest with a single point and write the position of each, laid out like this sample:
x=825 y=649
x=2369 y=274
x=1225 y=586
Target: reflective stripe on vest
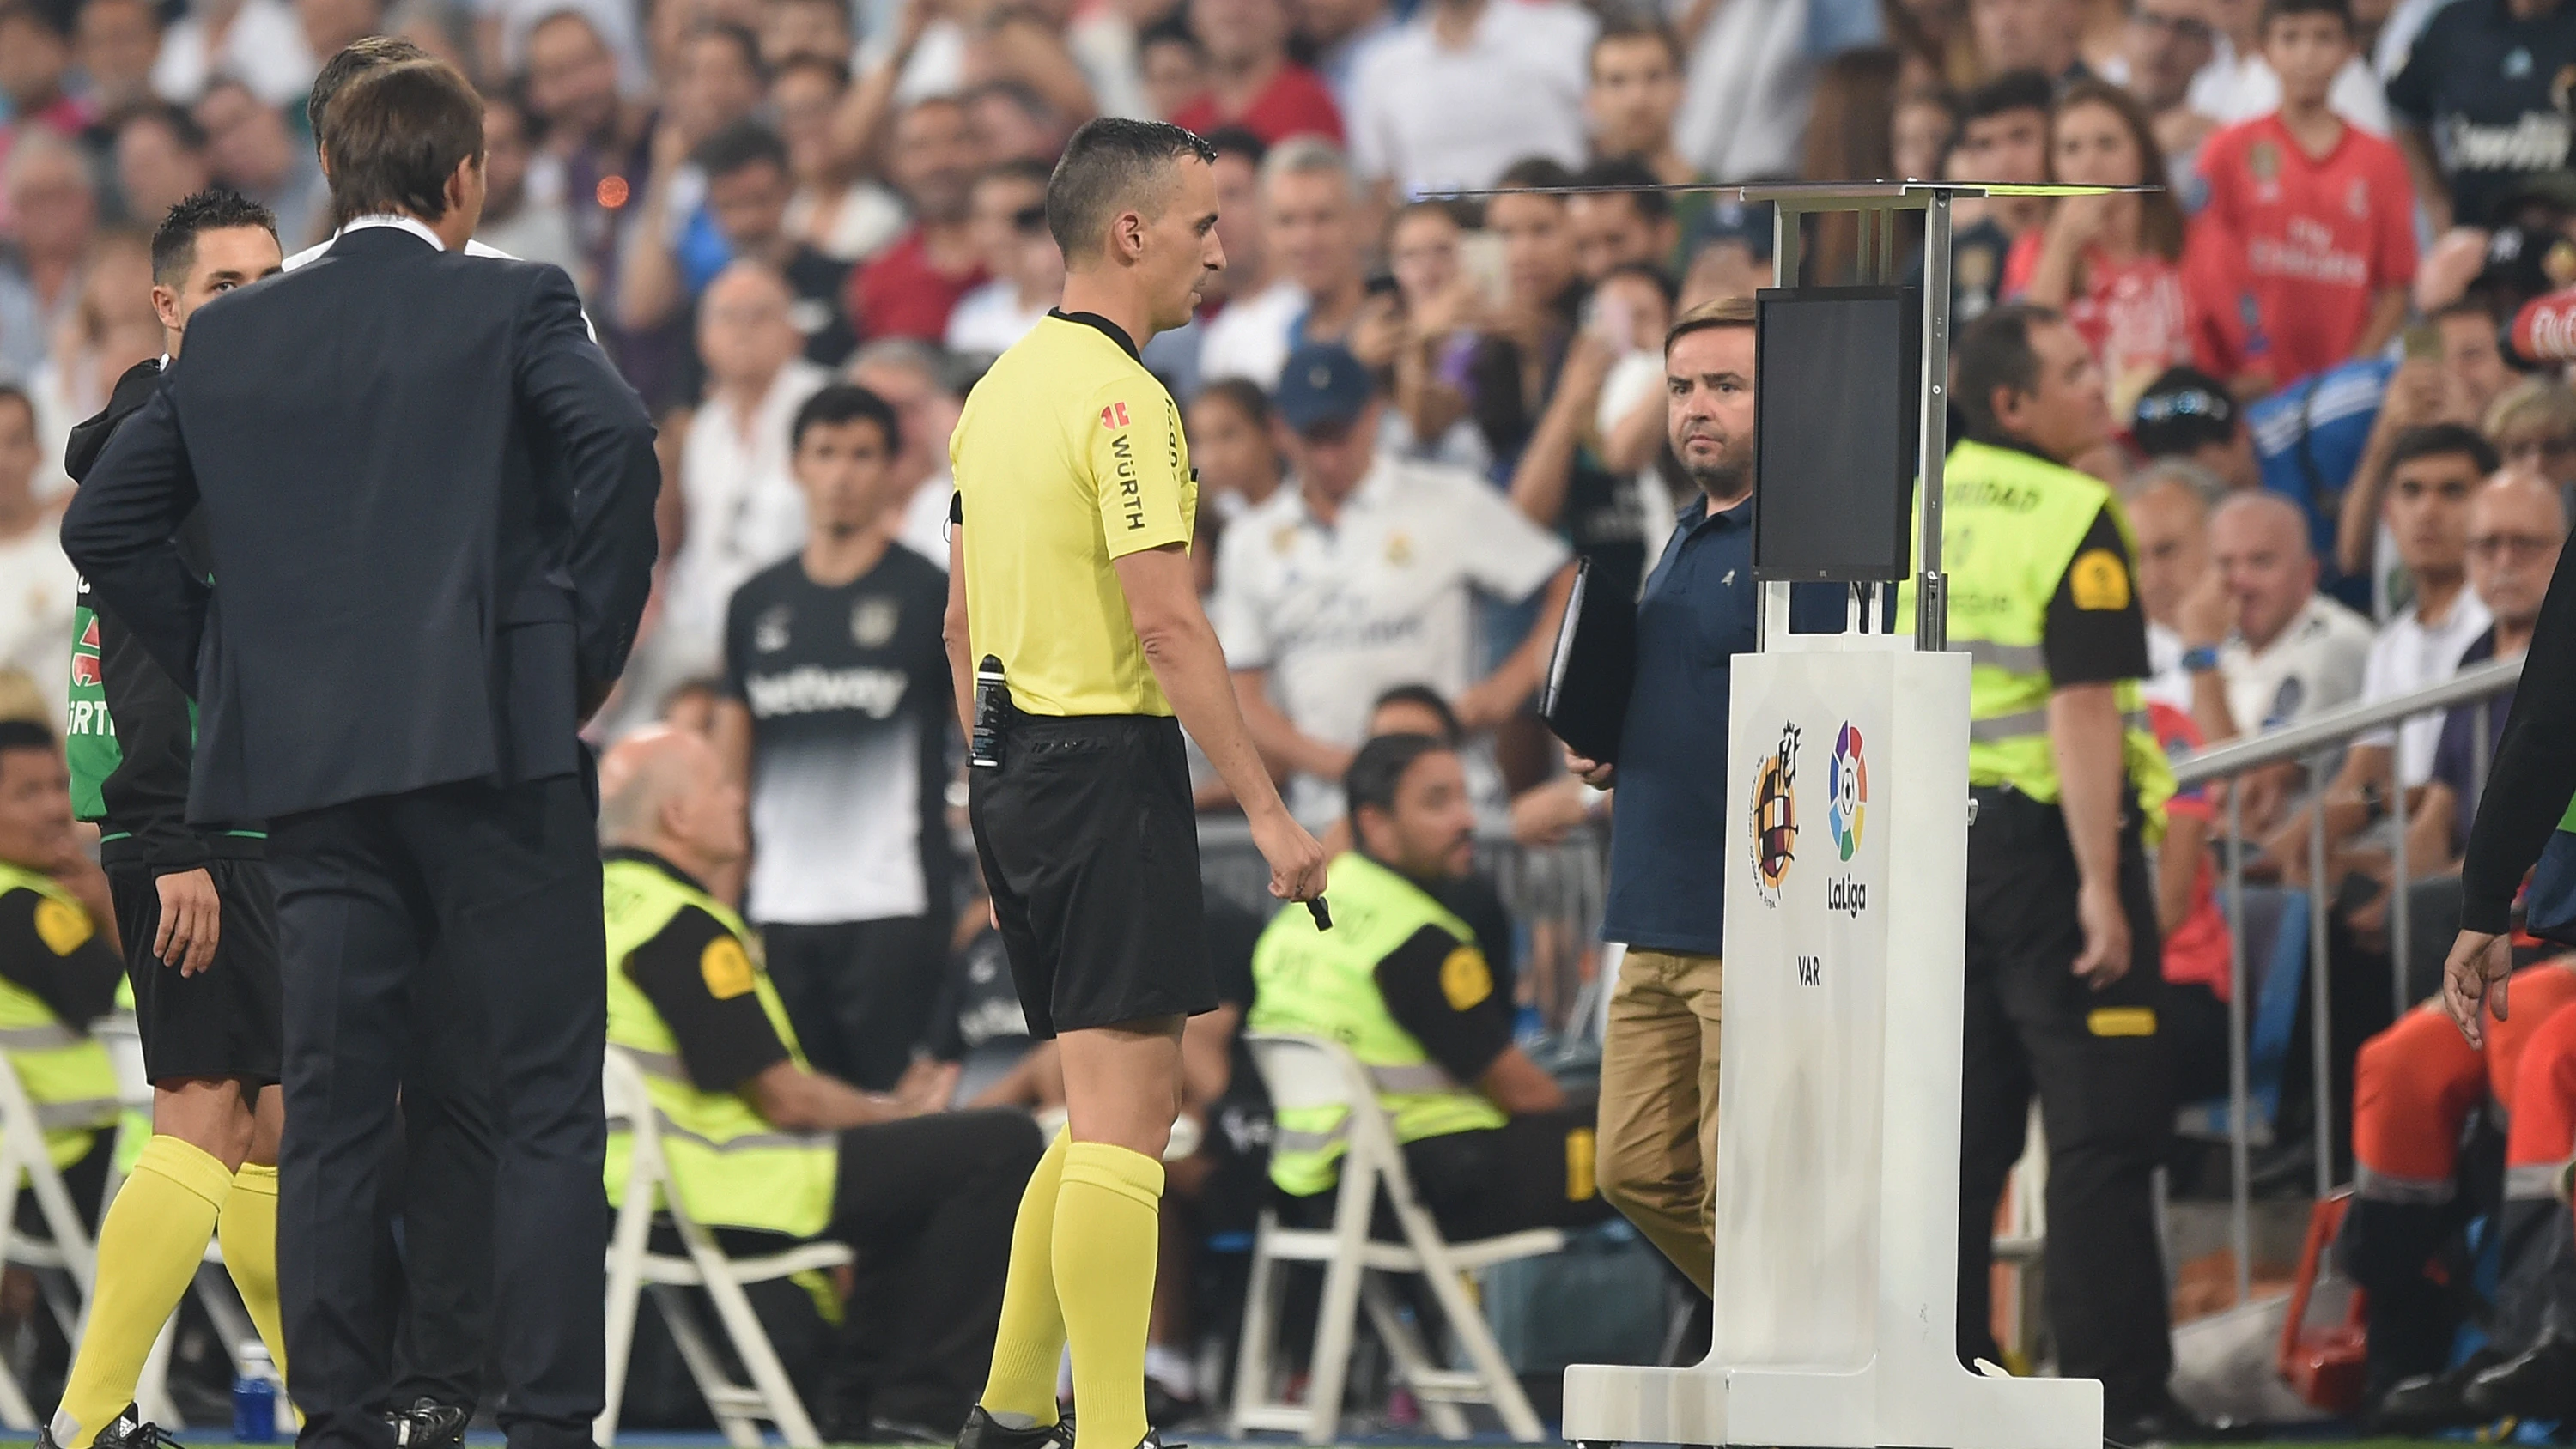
x=2011 y=525
x=1325 y=984
x=68 y=1074
x=734 y=1168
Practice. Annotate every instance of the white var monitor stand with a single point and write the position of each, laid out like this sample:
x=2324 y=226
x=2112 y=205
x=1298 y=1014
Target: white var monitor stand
x=1846 y=911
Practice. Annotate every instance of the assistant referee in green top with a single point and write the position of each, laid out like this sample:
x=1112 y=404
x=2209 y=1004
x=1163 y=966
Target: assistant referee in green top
x=1069 y=574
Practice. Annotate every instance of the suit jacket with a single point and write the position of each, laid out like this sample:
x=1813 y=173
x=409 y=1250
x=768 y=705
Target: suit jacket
x=428 y=500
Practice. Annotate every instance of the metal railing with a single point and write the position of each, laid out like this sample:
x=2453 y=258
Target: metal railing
x=2316 y=744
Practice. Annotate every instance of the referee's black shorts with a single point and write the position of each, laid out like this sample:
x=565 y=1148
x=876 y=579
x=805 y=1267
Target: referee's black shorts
x=227 y=1020
x=1090 y=847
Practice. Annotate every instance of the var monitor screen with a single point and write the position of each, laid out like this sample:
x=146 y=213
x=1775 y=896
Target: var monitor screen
x=1839 y=400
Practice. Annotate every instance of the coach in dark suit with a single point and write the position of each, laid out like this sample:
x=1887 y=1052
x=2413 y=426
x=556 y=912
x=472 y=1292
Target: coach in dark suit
x=431 y=509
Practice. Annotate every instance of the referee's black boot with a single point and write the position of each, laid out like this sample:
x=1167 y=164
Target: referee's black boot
x=983 y=1431
x=428 y=1424
x=128 y=1430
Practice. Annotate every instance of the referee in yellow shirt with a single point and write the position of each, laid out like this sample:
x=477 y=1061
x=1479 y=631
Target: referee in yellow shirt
x=1069 y=575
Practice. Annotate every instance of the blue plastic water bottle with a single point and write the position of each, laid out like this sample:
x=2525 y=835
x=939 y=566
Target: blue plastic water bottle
x=255 y=1398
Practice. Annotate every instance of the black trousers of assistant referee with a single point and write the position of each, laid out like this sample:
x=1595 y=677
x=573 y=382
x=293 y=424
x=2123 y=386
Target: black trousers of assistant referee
x=2105 y=1100
x=500 y=883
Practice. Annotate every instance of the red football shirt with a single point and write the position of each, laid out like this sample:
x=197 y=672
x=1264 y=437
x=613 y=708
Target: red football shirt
x=1295 y=103
x=898 y=293
x=2321 y=237
x=2131 y=314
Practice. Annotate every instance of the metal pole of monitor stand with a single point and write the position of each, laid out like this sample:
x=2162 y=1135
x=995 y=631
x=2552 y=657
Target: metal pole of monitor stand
x=1931 y=592
x=1771 y=600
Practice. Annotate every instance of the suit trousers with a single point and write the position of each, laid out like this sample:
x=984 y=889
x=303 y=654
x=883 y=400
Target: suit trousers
x=499 y=884
x=439 y=1190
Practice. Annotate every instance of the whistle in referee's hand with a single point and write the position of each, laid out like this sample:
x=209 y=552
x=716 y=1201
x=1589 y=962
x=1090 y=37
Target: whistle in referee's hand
x=1322 y=913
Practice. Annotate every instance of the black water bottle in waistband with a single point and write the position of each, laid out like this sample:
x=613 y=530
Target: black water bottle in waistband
x=992 y=713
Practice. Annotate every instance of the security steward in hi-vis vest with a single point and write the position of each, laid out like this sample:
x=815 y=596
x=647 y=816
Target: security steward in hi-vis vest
x=2063 y=960
x=58 y=970
x=1492 y=1143
x=766 y=1149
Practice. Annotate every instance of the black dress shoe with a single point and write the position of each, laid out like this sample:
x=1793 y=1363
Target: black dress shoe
x=983 y=1431
x=2164 y=1423
x=429 y=1424
x=2539 y=1383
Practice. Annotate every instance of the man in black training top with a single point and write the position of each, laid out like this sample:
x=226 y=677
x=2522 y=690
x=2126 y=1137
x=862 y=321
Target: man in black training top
x=198 y=920
x=839 y=722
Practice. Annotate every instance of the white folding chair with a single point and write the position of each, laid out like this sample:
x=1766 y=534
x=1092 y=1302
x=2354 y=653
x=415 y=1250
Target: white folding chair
x=1303 y=1072
x=634 y=1267
x=66 y=1262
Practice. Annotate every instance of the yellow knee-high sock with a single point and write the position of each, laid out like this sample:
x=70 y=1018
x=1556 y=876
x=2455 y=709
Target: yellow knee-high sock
x=1107 y=1228
x=148 y=1250
x=248 y=1231
x=1020 y=1391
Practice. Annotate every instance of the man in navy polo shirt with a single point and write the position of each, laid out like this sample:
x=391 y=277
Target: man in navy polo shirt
x=1658 y=1137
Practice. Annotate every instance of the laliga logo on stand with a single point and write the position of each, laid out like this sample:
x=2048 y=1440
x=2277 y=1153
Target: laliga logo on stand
x=1846 y=798
x=1775 y=816
x=1849 y=778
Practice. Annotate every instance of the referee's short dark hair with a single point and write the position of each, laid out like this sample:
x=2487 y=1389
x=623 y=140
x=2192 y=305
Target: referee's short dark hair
x=1377 y=771
x=1995 y=352
x=1113 y=164
x=2442 y=440
x=357 y=58
x=394 y=136
x=174 y=241
x=846 y=402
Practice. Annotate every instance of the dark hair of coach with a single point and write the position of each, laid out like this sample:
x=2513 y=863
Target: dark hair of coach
x=393 y=137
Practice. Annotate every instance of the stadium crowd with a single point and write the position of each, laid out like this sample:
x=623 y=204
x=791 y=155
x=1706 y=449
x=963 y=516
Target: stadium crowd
x=801 y=229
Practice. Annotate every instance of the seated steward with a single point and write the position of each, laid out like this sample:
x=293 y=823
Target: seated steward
x=1491 y=1141
x=764 y=1145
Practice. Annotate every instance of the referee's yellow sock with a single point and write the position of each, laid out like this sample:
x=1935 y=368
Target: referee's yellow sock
x=149 y=1247
x=1107 y=1228
x=248 y=1231
x=1020 y=1391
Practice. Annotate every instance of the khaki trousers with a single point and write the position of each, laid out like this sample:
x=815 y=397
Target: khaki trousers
x=1658 y=1150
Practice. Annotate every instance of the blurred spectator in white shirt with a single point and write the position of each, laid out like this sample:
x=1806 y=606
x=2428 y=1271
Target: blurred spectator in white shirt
x=834 y=211
x=116 y=43
x=1746 y=89
x=742 y=510
x=250 y=150
x=1315 y=235
x=2433 y=474
x=2188 y=609
x=53 y=209
x=2294 y=651
x=1234 y=447
x=1009 y=217
x=259 y=41
x=160 y=161
x=37 y=584
x=1467 y=87
x=914 y=379
x=112 y=327
x=1363 y=577
x=523 y=210
x=811 y=29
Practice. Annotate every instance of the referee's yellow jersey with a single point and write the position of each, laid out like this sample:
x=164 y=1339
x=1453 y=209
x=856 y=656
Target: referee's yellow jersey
x=1069 y=455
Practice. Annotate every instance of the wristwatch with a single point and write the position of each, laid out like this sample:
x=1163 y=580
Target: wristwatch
x=2200 y=659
